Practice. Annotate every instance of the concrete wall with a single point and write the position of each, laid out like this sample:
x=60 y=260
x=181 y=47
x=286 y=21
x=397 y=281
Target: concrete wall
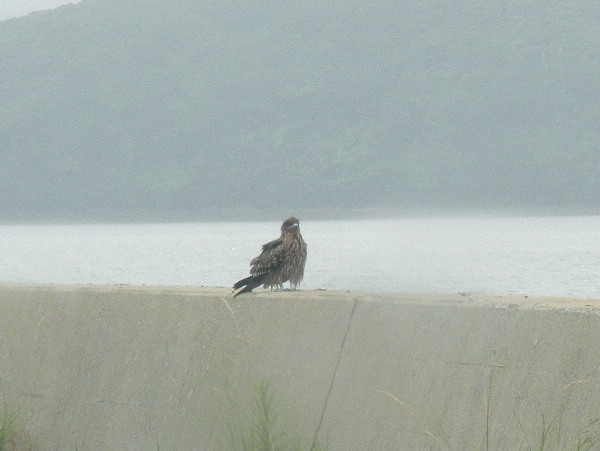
x=177 y=369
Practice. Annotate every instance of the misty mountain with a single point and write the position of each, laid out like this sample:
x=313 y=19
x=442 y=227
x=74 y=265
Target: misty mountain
x=127 y=109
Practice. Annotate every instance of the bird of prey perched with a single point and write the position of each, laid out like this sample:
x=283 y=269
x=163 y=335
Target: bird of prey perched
x=281 y=260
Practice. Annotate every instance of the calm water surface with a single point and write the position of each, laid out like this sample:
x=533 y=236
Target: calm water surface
x=538 y=255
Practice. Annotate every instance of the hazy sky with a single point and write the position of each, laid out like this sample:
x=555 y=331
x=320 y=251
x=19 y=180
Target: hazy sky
x=16 y=8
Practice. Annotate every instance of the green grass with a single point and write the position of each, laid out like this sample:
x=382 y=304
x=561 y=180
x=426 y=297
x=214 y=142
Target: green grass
x=12 y=436
x=267 y=430
x=8 y=426
x=551 y=436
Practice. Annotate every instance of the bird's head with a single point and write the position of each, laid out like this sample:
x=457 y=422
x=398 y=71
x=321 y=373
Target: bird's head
x=290 y=225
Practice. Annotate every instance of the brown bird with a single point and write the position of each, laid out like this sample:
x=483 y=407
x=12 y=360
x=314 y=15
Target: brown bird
x=281 y=260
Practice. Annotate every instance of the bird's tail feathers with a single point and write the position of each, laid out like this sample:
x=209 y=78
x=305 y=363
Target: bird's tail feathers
x=249 y=284
x=241 y=283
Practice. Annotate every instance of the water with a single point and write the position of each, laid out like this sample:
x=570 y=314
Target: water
x=538 y=255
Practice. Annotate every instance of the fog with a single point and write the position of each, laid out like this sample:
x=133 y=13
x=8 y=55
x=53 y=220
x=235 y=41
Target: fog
x=132 y=111
x=17 y=8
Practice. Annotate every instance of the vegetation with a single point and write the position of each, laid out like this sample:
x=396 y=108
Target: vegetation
x=8 y=427
x=133 y=109
x=267 y=430
x=551 y=436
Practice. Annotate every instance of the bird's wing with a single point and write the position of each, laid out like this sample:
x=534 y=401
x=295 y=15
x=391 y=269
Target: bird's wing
x=272 y=255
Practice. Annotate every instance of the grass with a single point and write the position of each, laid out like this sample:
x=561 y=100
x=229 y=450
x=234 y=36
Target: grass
x=263 y=435
x=12 y=436
x=267 y=430
x=548 y=434
x=8 y=427
x=551 y=436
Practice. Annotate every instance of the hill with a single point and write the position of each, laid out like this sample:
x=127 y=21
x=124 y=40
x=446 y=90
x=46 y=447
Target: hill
x=148 y=109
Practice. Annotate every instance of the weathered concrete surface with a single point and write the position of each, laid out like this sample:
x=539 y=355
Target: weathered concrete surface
x=93 y=367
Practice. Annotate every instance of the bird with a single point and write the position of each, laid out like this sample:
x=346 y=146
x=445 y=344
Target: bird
x=281 y=260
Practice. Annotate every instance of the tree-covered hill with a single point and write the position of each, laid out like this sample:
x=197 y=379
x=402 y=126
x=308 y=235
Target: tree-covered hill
x=127 y=109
